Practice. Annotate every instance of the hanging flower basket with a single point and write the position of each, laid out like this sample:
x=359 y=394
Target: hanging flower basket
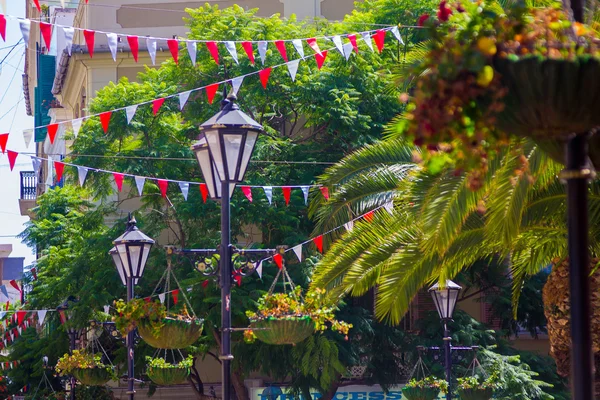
x=476 y=393
x=415 y=393
x=285 y=330
x=168 y=376
x=173 y=334
x=86 y=367
x=92 y=376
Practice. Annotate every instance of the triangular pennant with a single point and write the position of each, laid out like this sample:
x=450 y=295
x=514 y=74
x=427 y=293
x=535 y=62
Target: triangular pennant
x=305 y=192
x=27 y=137
x=105 y=120
x=352 y=39
x=175 y=294
x=174 y=49
x=113 y=40
x=379 y=38
x=106 y=309
x=396 y=33
x=46 y=31
x=262 y=51
x=25 y=26
x=12 y=157
x=4 y=7
x=5 y=293
x=147 y=299
x=280 y=44
x=347 y=50
x=183 y=98
x=90 y=38
x=82 y=172
x=249 y=51
x=287 y=192
x=230 y=46
x=3 y=141
x=312 y=42
x=204 y=191
x=293 y=68
x=247 y=192
x=163 y=184
x=151 y=45
x=278 y=258
x=59 y=167
x=14 y=284
x=337 y=40
x=238 y=278
x=389 y=207
x=21 y=316
x=134 y=45
x=264 y=76
x=34 y=273
x=185 y=188
x=236 y=83
x=259 y=269
x=369 y=216
x=52 y=130
x=68 y=33
x=156 y=105
x=211 y=90
x=320 y=58
x=20 y=329
x=3 y=27
x=161 y=297
x=139 y=183
x=349 y=226
x=325 y=192
x=130 y=111
x=214 y=51
x=37 y=5
x=299 y=47
x=298 y=251
x=76 y=125
x=269 y=193
x=367 y=38
x=318 y=241
x=50 y=174
x=192 y=48
x=36 y=163
x=119 y=180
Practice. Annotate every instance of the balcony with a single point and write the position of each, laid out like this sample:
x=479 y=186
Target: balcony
x=28 y=192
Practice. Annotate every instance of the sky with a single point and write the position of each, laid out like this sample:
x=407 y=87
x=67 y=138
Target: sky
x=13 y=121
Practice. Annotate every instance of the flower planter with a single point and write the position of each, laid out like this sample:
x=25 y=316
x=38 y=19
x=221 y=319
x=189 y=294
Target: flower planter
x=174 y=334
x=168 y=376
x=416 y=393
x=475 y=394
x=92 y=376
x=290 y=330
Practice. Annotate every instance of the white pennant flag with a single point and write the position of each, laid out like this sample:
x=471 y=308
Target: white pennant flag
x=298 y=252
x=68 y=35
x=25 y=26
x=112 y=44
x=269 y=193
x=349 y=226
x=185 y=188
x=2 y=314
x=3 y=5
x=293 y=68
x=130 y=111
x=192 y=48
x=236 y=83
x=305 y=191
x=50 y=177
x=367 y=38
x=62 y=3
x=338 y=43
x=106 y=309
x=396 y=33
x=389 y=206
x=259 y=269
x=27 y=136
x=298 y=46
x=139 y=182
x=37 y=163
x=183 y=98
x=262 y=50
x=151 y=44
x=348 y=48
x=161 y=297
x=82 y=172
x=41 y=316
x=19 y=329
x=76 y=124
x=12 y=339
x=230 y=46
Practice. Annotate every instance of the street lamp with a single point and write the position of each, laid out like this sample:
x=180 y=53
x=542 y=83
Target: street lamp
x=72 y=332
x=130 y=255
x=223 y=150
x=445 y=300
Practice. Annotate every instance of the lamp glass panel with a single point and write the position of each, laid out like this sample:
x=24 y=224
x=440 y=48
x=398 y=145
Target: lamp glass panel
x=232 y=144
x=119 y=265
x=122 y=249
x=217 y=182
x=248 y=149
x=436 y=300
x=208 y=171
x=135 y=254
x=452 y=298
x=145 y=252
x=214 y=143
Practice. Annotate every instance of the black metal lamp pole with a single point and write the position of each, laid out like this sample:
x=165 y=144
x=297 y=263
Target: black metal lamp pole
x=225 y=279
x=448 y=359
x=130 y=347
x=72 y=344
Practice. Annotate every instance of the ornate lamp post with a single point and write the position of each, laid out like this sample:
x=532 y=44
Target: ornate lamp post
x=130 y=255
x=223 y=151
x=73 y=334
x=445 y=300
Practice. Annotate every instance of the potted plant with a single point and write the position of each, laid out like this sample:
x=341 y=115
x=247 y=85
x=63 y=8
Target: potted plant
x=164 y=373
x=85 y=367
x=428 y=388
x=157 y=327
x=285 y=318
x=471 y=388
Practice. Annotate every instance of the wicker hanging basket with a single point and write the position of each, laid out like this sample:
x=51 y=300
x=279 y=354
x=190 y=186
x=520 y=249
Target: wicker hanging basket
x=288 y=330
x=174 y=334
x=168 y=376
x=476 y=394
x=92 y=376
x=416 y=393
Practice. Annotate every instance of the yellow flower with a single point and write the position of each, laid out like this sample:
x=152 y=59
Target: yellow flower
x=579 y=28
x=487 y=46
x=485 y=76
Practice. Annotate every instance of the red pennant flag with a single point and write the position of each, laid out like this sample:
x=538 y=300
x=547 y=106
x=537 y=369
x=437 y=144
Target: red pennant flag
x=278 y=258
x=204 y=191
x=89 y=40
x=16 y=332
x=238 y=279
x=156 y=105
x=14 y=284
x=379 y=38
x=368 y=216
x=214 y=51
x=174 y=47
x=312 y=42
x=34 y=273
x=147 y=299
x=163 y=184
x=134 y=45
x=105 y=119
x=63 y=317
x=3 y=27
x=320 y=58
x=46 y=31
x=280 y=44
x=176 y=296
x=21 y=316
x=264 y=76
x=119 y=180
x=3 y=141
x=352 y=39
x=248 y=192
x=211 y=90
x=12 y=157
x=52 y=129
x=205 y=284
x=249 y=51
x=7 y=304
x=37 y=5
x=319 y=243
x=325 y=192
x=287 y=191
x=59 y=167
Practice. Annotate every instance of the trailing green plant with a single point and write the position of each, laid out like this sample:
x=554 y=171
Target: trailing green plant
x=157 y=362
x=80 y=359
x=473 y=382
x=429 y=382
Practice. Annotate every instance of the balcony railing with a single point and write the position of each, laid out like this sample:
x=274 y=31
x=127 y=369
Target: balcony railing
x=28 y=185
